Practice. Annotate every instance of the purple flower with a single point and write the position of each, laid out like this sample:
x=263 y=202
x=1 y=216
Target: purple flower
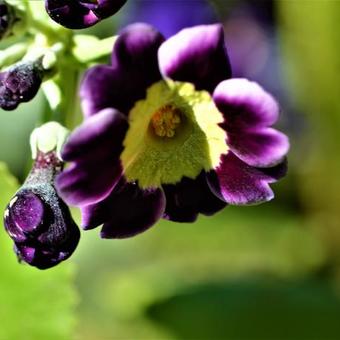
x=77 y=14
x=168 y=134
x=38 y=221
x=20 y=83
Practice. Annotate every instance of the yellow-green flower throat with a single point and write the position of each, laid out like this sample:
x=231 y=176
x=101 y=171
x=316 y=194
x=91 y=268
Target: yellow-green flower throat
x=174 y=132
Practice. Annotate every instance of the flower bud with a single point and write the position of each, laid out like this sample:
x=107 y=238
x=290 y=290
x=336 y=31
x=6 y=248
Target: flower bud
x=20 y=83
x=37 y=220
x=6 y=19
x=81 y=13
x=12 y=18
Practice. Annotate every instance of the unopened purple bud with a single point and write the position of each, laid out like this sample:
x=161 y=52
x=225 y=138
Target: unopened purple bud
x=81 y=13
x=7 y=19
x=28 y=212
x=20 y=83
x=38 y=221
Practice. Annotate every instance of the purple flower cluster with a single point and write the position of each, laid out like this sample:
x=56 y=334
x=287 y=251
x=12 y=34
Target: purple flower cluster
x=77 y=14
x=97 y=180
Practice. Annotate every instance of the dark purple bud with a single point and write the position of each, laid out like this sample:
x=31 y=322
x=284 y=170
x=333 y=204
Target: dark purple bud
x=38 y=221
x=20 y=83
x=78 y=14
x=7 y=19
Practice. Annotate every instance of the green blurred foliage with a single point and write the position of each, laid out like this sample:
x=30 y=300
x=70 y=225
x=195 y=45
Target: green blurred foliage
x=34 y=305
x=310 y=43
x=135 y=276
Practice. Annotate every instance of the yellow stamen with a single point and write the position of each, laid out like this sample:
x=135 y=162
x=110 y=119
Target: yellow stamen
x=165 y=121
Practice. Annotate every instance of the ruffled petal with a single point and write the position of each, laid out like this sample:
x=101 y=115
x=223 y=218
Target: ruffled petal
x=239 y=184
x=97 y=138
x=89 y=182
x=248 y=111
x=197 y=55
x=245 y=104
x=126 y=212
x=189 y=197
x=259 y=147
x=134 y=68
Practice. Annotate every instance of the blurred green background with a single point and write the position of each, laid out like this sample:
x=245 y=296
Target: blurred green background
x=264 y=272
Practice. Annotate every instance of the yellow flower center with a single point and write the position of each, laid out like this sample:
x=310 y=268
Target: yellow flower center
x=166 y=120
x=173 y=133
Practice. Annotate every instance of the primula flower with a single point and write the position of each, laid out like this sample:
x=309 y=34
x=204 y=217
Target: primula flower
x=37 y=220
x=77 y=14
x=20 y=83
x=168 y=134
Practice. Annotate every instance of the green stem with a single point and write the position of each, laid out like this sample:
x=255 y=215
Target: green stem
x=69 y=87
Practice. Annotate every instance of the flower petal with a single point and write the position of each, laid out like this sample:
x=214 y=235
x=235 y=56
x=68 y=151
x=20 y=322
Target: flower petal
x=71 y=14
x=196 y=55
x=134 y=68
x=126 y=212
x=262 y=147
x=86 y=183
x=189 y=197
x=238 y=183
x=100 y=136
x=248 y=110
x=245 y=104
x=81 y=13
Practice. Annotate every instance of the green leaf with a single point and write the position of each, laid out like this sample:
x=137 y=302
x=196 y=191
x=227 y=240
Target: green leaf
x=33 y=304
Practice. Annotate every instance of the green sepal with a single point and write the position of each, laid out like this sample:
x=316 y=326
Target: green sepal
x=48 y=137
x=88 y=49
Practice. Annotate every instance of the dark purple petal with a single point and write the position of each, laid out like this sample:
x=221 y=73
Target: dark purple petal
x=134 y=68
x=103 y=8
x=97 y=138
x=248 y=110
x=88 y=182
x=261 y=147
x=197 y=55
x=77 y=14
x=189 y=197
x=238 y=183
x=126 y=212
x=245 y=104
